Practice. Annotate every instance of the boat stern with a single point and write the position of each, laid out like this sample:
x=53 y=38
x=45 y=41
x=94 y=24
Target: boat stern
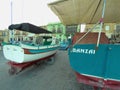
x=13 y=53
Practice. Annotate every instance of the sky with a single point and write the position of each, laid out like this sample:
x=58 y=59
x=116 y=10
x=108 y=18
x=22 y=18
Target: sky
x=32 y=11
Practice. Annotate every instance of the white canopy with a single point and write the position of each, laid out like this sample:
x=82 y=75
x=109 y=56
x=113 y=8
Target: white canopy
x=86 y=11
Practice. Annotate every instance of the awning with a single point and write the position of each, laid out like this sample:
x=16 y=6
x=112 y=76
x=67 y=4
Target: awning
x=86 y=11
x=28 y=28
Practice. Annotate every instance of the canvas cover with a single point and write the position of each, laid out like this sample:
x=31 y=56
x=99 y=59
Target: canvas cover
x=28 y=28
x=86 y=11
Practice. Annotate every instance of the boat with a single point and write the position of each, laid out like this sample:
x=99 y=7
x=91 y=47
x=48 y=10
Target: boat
x=27 y=53
x=96 y=66
x=64 y=45
x=93 y=58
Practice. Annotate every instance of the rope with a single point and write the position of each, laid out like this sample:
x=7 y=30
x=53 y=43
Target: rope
x=101 y=23
x=86 y=34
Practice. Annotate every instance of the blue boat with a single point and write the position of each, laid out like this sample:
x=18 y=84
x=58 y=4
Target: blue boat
x=64 y=45
x=92 y=57
x=96 y=66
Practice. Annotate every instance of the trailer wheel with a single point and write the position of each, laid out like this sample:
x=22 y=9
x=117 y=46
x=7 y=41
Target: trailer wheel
x=12 y=71
x=50 y=61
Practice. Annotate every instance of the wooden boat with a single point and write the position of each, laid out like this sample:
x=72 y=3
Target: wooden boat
x=94 y=60
x=96 y=66
x=26 y=53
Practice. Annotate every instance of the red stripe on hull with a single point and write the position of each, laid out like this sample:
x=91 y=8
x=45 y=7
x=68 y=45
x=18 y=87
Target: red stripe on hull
x=98 y=82
x=26 y=51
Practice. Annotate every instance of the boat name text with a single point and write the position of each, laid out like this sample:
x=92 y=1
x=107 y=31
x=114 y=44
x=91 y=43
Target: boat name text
x=86 y=51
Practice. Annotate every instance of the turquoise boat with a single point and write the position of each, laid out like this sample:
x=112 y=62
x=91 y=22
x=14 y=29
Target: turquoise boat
x=93 y=58
x=96 y=66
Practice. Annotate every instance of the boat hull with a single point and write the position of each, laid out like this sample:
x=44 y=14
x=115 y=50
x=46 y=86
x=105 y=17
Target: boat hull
x=20 y=54
x=102 y=62
x=98 y=82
